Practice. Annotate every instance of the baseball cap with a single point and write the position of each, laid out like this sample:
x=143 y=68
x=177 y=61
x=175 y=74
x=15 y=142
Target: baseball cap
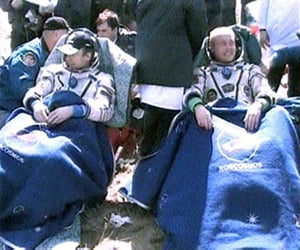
x=56 y=23
x=76 y=41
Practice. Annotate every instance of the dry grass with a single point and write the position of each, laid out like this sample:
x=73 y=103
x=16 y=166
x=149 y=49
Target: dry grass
x=141 y=233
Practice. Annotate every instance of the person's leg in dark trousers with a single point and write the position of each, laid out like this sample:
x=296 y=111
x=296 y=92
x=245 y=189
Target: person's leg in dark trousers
x=156 y=126
x=294 y=71
x=18 y=33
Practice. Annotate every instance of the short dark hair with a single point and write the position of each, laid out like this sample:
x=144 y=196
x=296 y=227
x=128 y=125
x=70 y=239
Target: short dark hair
x=110 y=17
x=56 y=23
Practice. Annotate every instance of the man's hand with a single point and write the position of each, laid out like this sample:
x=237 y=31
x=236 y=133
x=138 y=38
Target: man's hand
x=252 y=116
x=203 y=117
x=40 y=111
x=60 y=115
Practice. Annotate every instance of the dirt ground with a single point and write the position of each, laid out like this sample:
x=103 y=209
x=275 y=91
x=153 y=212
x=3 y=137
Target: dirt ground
x=139 y=233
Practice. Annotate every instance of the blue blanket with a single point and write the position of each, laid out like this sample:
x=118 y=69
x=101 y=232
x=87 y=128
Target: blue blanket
x=225 y=188
x=48 y=173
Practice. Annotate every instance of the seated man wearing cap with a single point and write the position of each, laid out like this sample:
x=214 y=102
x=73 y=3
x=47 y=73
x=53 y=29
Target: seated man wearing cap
x=79 y=73
x=20 y=70
x=58 y=147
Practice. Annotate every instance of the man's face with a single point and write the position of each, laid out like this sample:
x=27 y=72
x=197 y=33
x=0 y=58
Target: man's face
x=104 y=30
x=79 y=60
x=223 y=48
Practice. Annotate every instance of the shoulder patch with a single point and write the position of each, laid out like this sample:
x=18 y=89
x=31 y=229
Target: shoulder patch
x=29 y=59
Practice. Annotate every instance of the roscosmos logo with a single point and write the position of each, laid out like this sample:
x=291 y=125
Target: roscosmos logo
x=22 y=138
x=238 y=148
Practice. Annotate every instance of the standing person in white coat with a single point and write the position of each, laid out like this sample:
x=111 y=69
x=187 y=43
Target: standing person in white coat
x=279 y=22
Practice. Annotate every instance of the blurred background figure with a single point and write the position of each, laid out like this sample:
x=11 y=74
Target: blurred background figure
x=108 y=25
x=76 y=12
x=125 y=9
x=279 y=22
x=27 y=16
x=20 y=25
x=123 y=140
x=227 y=12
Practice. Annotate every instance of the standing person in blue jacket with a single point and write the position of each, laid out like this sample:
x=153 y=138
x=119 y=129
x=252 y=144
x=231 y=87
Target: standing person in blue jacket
x=20 y=70
x=169 y=35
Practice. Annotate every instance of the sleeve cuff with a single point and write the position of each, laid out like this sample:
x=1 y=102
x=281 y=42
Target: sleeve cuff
x=79 y=111
x=266 y=103
x=194 y=102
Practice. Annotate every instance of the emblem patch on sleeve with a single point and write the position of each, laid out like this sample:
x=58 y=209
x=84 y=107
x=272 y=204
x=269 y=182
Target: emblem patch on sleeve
x=29 y=59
